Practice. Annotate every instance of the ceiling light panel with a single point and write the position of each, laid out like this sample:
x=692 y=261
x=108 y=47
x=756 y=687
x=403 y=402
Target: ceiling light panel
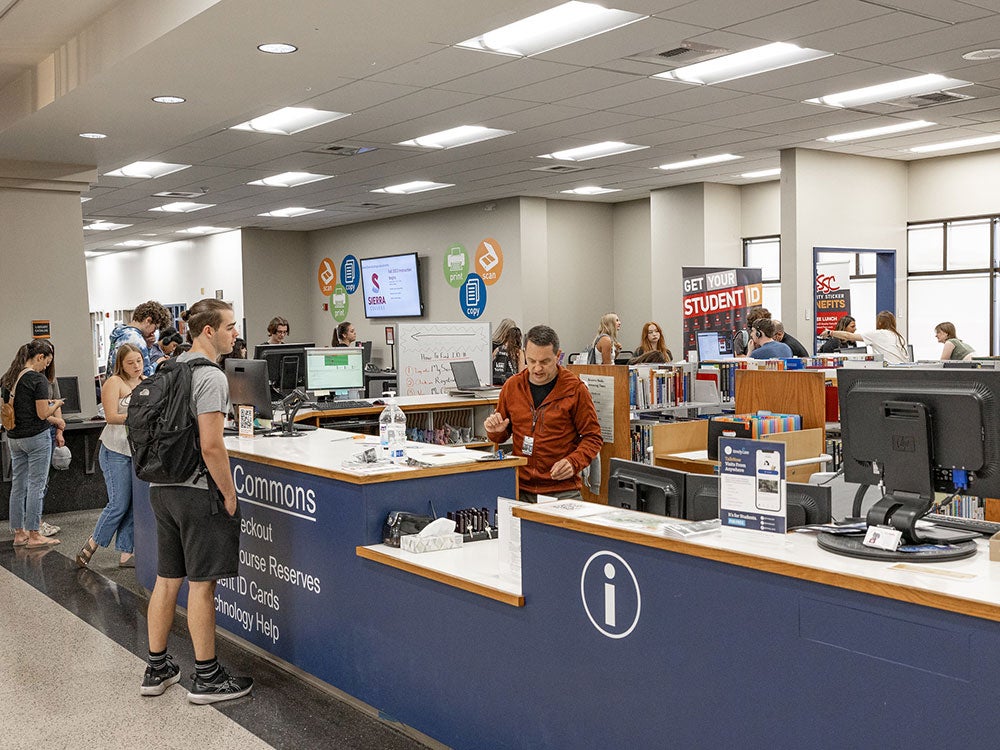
x=182 y=207
x=899 y=127
x=551 y=29
x=417 y=186
x=700 y=162
x=291 y=179
x=290 y=120
x=593 y=151
x=761 y=173
x=742 y=64
x=205 y=230
x=147 y=170
x=463 y=135
x=591 y=190
x=291 y=212
x=950 y=145
x=883 y=92
x=167 y=99
x=277 y=48
x=105 y=226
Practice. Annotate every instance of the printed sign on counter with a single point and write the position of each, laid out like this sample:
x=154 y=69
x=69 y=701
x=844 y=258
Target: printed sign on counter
x=752 y=485
x=602 y=392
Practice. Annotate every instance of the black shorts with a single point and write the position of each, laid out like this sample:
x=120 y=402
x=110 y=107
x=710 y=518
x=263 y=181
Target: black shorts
x=195 y=537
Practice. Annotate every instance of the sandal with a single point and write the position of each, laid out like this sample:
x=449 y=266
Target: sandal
x=85 y=553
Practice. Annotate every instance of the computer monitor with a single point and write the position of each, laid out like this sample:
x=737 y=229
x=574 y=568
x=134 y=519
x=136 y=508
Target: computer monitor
x=713 y=345
x=335 y=369
x=69 y=391
x=249 y=385
x=286 y=364
x=652 y=489
x=366 y=349
x=806 y=504
x=919 y=431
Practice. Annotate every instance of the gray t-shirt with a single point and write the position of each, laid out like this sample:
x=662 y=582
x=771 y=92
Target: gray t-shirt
x=209 y=393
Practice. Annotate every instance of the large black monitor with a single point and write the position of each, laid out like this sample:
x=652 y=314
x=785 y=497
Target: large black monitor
x=248 y=384
x=337 y=370
x=286 y=364
x=69 y=391
x=806 y=504
x=917 y=431
x=652 y=489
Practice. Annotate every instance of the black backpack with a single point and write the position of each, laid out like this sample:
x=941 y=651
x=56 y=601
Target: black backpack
x=162 y=431
x=503 y=368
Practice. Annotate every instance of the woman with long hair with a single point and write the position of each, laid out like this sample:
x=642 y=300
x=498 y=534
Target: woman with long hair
x=606 y=342
x=508 y=357
x=115 y=457
x=652 y=341
x=27 y=380
x=833 y=345
x=884 y=340
x=954 y=347
x=501 y=331
x=345 y=335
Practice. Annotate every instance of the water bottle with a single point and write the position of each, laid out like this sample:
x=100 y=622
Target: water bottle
x=392 y=431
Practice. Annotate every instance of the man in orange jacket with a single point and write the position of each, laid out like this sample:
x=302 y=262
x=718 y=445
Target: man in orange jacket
x=549 y=412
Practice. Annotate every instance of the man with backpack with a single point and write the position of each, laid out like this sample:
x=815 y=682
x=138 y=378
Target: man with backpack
x=197 y=519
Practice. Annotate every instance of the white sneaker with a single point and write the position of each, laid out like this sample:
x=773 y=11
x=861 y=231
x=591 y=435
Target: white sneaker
x=48 y=529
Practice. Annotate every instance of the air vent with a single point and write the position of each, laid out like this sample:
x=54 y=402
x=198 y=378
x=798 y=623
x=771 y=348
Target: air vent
x=337 y=149
x=922 y=101
x=686 y=53
x=560 y=168
x=179 y=194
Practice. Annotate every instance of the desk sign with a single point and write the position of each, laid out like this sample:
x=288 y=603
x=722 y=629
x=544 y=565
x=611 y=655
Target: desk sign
x=752 y=485
x=244 y=417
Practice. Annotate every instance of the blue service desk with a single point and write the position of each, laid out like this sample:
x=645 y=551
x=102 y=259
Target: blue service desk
x=615 y=638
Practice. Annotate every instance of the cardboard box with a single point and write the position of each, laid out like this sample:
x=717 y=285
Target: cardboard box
x=417 y=543
x=995 y=547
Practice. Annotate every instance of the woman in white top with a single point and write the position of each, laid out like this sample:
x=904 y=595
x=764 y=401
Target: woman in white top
x=606 y=343
x=884 y=340
x=116 y=462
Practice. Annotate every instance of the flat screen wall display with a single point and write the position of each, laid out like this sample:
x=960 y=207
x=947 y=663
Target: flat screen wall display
x=391 y=286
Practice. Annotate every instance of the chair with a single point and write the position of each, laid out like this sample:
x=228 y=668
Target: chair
x=623 y=357
x=572 y=358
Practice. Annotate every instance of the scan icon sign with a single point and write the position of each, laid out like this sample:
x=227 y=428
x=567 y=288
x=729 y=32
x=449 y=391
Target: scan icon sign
x=610 y=594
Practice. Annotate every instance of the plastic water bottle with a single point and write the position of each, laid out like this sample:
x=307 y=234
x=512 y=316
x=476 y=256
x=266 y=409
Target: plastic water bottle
x=392 y=431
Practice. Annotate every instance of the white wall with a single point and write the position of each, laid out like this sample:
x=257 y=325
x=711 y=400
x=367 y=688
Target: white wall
x=277 y=281
x=760 y=213
x=633 y=286
x=954 y=186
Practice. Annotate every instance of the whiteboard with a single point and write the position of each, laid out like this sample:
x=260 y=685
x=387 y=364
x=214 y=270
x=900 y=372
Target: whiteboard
x=425 y=349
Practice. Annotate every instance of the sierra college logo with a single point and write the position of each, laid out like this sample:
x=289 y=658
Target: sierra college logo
x=610 y=594
x=376 y=298
x=375 y=285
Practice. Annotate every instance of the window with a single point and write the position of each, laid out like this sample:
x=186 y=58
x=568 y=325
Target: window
x=765 y=253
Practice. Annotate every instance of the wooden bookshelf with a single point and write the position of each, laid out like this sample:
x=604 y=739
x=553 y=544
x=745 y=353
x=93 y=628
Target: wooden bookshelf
x=612 y=401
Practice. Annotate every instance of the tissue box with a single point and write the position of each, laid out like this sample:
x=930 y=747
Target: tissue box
x=417 y=543
x=995 y=547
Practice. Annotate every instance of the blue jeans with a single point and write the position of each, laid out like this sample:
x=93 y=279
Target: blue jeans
x=116 y=518
x=29 y=463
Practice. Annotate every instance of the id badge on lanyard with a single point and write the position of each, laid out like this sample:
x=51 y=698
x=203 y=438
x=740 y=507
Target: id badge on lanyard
x=528 y=444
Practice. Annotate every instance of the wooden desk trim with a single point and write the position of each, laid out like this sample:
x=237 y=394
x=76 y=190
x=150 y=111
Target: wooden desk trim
x=503 y=597
x=778 y=567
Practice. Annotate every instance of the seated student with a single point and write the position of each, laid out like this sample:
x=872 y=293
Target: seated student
x=345 y=335
x=786 y=338
x=277 y=330
x=833 y=345
x=652 y=341
x=742 y=341
x=954 y=347
x=884 y=340
x=764 y=344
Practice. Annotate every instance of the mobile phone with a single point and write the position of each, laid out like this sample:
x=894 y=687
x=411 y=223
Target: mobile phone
x=768 y=481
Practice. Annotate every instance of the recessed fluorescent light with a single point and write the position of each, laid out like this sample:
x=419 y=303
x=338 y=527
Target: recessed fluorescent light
x=94 y=253
x=134 y=243
x=463 y=135
x=290 y=120
x=926 y=84
x=593 y=151
x=182 y=207
x=105 y=226
x=899 y=127
x=761 y=173
x=982 y=54
x=417 y=186
x=277 y=48
x=94 y=136
x=550 y=29
x=169 y=99
x=147 y=170
x=742 y=64
x=291 y=212
x=699 y=162
x=205 y=230
x=83 y=200
x=591 y=190
x=956 y=144
x=291 y=179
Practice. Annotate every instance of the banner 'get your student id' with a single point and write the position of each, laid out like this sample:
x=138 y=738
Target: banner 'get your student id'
x=752 y=485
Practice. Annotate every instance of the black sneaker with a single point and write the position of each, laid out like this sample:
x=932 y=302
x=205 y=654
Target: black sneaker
x=224 y=687
x=156 y=681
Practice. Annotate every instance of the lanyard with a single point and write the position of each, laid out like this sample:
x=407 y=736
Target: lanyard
x=536 y=414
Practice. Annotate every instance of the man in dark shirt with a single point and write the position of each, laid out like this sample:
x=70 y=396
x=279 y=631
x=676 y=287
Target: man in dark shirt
x=786 y=338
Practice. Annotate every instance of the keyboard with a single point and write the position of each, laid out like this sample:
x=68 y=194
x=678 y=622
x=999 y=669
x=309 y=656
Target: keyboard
x=344 y=404
x=986 y=528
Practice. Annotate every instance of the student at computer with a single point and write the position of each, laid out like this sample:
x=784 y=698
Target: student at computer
x=765 y=346
x=954 y=347
x=345 y=335
x=884 y=340
x=277 y=330
x=833 y=345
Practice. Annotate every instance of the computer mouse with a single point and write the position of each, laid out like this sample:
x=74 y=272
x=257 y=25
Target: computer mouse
x=378 y=402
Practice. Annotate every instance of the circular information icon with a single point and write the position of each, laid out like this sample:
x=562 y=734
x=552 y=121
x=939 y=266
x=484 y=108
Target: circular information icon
x=350 y=273
x=489 y=261
x=456 y=265
x=472 y=296
x=339 y=303
x=327 y=276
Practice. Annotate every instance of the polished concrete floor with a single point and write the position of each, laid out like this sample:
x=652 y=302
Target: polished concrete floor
x=72 y=650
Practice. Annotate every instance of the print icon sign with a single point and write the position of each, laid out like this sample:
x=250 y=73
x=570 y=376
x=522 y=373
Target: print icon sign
x=610 y=594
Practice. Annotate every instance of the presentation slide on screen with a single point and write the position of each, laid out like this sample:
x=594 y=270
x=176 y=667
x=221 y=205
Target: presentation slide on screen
x=390 y=286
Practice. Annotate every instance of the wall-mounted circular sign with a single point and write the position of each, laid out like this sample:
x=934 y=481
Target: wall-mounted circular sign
x=472 y=296
x=350 y=273
x=489 y=261
x=327 y=276
x=456 y=265
x=339 y=303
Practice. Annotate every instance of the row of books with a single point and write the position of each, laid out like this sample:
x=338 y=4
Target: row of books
x=965 y=507
x=642 y=440
x=648 y=388
x=727 y=376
